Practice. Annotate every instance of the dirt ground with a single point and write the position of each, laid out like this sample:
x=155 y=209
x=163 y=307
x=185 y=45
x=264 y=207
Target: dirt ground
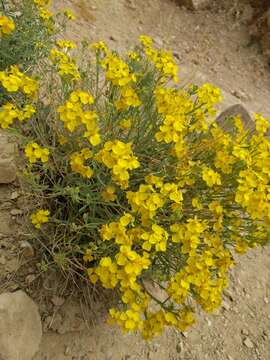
x=211 y=45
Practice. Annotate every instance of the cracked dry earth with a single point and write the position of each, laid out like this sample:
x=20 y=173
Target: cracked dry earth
x=211 y=45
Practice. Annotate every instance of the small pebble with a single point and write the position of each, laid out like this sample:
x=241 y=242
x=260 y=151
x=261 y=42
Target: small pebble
x=67 y=350
x=14 y=195
x=179 y=347
x=245 y=332
x=3 y=261
x=27 y=249
x=16 y=212
x=57 y=300
x=226 y=306
x=30 y=278
x=248 y=343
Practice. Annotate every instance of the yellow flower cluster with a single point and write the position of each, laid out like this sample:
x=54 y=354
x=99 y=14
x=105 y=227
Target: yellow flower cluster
x=152 y=196
x=117 y=71
x=253 y=190
x=9 y=113
x=42 y=6
x=77 y=163
x=7 y=25
x=175 y=107
x=73 y=115
x=42 y=3
x=146 y=201
x=36 y=153
x=198 y=274
x=188 y=234
x=40 y=217
x=45 y=14
x=129 y=320
x=155 y=322
x=67 y=67
x=66 y=44
x=14 y=80
x=157 y=238
x=100 y=46
x=208 y=96
x=118 y=157
x=128 y=98
x=163 y=60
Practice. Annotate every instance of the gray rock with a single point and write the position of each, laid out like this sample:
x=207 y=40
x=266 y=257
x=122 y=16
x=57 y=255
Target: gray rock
x=20 y=326
x=223 y=119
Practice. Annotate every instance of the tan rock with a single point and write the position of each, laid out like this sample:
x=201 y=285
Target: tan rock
x=20 y=326
x=195 y=4
x=7 y=162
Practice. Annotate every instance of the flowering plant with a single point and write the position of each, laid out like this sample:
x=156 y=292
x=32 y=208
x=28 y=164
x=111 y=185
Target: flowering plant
x=138 y=187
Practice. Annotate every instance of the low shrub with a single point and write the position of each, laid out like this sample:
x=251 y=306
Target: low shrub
x=136 y=186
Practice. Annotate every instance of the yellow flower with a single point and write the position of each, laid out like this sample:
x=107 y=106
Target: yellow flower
x=73 y=115
x=14 y=80
x=8 y=113
x=62 y=140
x=66 y=44
x=128 y=98
x=45 y=14
x=77 y=163
x=210 y=177
x=186 y=320
x=156 y=238
x=35 y=153
x=197 y=204
x=69 y=69
x=146 y=40
x=100 y=46
x=57 y=56
x=208 y=96
x=262 y=124
x=40 y=217
x=171 y=191
x=125 y=124
x=133 y=55
x=108 y=194
x=42 y=3
x=118 y=157
x=69 y=14
x=216 y=207
x=67 y=66
x=117 y=71
x=88 y=255
x=129 y=320
x=241 y=246
x=7 y=25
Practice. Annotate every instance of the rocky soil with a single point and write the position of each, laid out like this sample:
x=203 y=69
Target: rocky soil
x=210 y=45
